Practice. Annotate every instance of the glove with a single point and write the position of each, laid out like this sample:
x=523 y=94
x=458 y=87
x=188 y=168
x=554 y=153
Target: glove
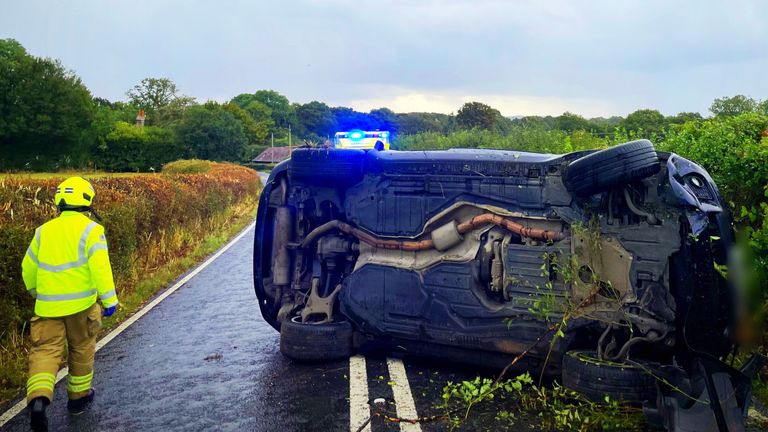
x=109 y=311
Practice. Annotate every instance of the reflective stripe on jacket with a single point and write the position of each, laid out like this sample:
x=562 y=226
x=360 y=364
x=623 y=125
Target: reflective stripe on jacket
x=67 y=266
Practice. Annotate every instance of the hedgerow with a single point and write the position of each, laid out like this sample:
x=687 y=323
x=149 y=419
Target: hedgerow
x=521 y=139
x=149 y=220
x=187 y=166
x=734 y=150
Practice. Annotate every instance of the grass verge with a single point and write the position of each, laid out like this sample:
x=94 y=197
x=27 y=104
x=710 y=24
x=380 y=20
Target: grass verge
x=13 y=352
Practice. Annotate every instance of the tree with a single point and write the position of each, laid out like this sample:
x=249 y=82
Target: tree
x=605 y=126
x=255 y=132
x=570 y=122
x=131 y=148
x=384 y=119
x=282 y=112
x=477 y=115
x=159 y=97
x=44 y=111
x=733 y=106
x=348 y=119
x=763 y=107
x=262 y=125
x=317 y=119
x=649 y=121
x=106 y=115
x=684 y=117
x=210 y=132
x=412 y=123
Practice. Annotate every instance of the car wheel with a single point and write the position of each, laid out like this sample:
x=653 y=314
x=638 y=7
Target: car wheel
x=327 y=166
x=315 y=342
x=595 y=378
x=602 y=170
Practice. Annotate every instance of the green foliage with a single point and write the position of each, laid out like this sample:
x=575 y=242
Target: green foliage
x=317 y=119
x=187 y=166
x=562 y=409
x=160 y=98
x=44 y=111
x=132 y=148
x=463 y=396
x=256 y=132
x=684 y=117
x=569 y=122
x=260 y=113
x=518 y=138
x=733 y=106
x=550 y=408
x=283 y=113
x=384 y=119
x=477 y=115
x=413 y=123
x=211 y=132
x=648 y=121
x=106 y=116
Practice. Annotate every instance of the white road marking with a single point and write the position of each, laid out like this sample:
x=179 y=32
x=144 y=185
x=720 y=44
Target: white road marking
x=11 y=413
x=359 y=409
x=406 y=408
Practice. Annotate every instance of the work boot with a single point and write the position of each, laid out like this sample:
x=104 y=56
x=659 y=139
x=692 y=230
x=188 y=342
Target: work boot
x=78 y=406
x=38 y=420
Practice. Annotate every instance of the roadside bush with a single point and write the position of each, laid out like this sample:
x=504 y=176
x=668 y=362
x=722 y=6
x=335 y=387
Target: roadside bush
x=149 y=220
x=187 y=166
x=131 y=148
x=519 y=138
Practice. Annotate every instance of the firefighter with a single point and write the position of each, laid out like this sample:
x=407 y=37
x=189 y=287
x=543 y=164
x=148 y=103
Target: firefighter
x=66 y=269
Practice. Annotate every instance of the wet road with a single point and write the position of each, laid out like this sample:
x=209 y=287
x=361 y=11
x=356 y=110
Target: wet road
x=204 y=359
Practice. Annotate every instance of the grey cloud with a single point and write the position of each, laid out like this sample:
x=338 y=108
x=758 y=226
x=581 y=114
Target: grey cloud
x=672 y=56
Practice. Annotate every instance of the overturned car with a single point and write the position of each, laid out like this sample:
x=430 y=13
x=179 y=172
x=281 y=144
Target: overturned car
x=601 y=266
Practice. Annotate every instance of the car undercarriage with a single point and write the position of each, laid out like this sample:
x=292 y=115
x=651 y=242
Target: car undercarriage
x=480 y=255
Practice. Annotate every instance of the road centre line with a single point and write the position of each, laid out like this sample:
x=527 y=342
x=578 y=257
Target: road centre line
x=14 y=410
x=359 y=409
x=406 y=408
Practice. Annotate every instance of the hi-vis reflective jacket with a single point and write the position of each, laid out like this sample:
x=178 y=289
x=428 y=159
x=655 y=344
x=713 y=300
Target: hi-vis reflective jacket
x=67 y=266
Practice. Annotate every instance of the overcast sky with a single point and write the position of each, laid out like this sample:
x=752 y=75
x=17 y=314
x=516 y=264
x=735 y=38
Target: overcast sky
x=596 y=58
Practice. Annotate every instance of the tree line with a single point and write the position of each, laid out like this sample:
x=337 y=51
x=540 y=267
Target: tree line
x=49 y=120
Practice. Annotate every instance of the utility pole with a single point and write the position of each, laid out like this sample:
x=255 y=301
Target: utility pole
x=272 y=145
x=289 y=139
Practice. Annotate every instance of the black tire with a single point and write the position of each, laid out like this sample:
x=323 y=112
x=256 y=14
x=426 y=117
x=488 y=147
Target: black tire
x=602 y=170
x=307 y=342
x=594 y=378
x=326 y=166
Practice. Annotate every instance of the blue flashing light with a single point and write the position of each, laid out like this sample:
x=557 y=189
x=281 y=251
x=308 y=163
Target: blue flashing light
x=356 y=135
x=384 y=134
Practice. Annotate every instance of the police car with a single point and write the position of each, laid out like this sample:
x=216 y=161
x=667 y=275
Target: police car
x=358 y=139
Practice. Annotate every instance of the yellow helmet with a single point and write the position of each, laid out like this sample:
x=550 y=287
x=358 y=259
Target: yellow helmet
x=74 y=192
